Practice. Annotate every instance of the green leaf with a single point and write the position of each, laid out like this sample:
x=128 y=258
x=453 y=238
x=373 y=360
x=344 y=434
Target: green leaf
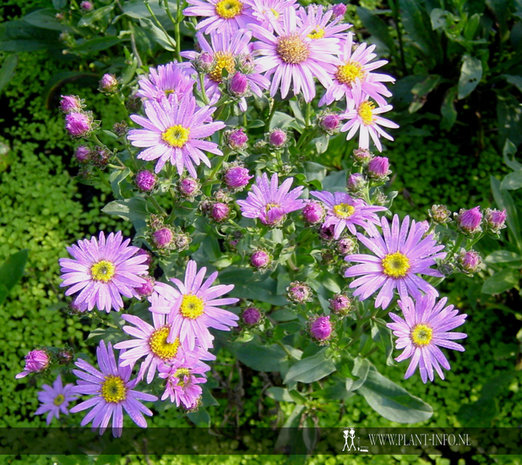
x=421 y=89
x=470 y=75
x=280 y=394
x=95 y=45
x=260 y=357
x=8 y=70
x=515 y=80
x=447 y=109
x=502 y=256
x=136 y=9
x=158 y=35
x=281 y=120
x=321 y=143
x=360 y=369
x=392 y=401
x=11 y=272
x=98 y=15
x=501 y=282
x=200 y=417
x=45 y=19
x=505 y=201
x=377 y=28
x=512 y=181
x=133 y=209
x=310 y=369
x=508 y=155
x=116 y=177
x=382 y=335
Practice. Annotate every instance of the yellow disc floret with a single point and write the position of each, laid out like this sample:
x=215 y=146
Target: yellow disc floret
x=343 y=210
x=192 y=306
x=349 y=72
x=113 y=389
x=365 y=112
x=292 y=49
x=103 y=271
x=160 y=347
x=180 y=373
x=395 y=265
x=59 y=400
x=176 y=136
x=229 y=9
x=222 y=60
x=316 y=33
x=421 y=335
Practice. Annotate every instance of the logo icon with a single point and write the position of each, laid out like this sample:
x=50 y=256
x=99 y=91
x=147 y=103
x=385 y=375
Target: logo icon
x=352 y=442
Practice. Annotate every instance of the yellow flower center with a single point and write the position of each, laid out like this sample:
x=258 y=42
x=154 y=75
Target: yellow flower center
x=159 y=345
x=222 y=60
x=103 y=271
x=421 y=335
x=349 y=72
x=343 y=210
x=180 y=373
x=395 y=265
x=275 y=13
x=176 y=136
x=316 y=33
x=192 y=307
x=113 y=389
x=365 y=112
x=59 y=400
x=292 y=49
x=229 y=9
x=269 y=206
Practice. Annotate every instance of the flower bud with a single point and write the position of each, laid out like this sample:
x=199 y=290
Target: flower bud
x=35 y=361
x=469 y=220
x=260 y=259
x=238 y=85
x=108 y=83
x=220 y=211
x=86 y=5
x=469 y=261
x=321 y=328
x=326 y=233
x=237 y=177
x=145 y=180
x=346 y=245
x=313 y=212
x=277 y=138
x=203 y=62
x=355 y=182
x=181 y=242
x=189 y=187
x=70 y=103
x=147 y=287
x=78 y=124
x=236 y=139
x=440 y=214
x=329 y=123
x=251 y=316
x=162 y=237
x=245 y=64
x=65 y=356
x=299 y=292
x=362 y=155
x=82 y=154
x=495 y=219
x=339 y=10
x=379 y=168
x=340 y=304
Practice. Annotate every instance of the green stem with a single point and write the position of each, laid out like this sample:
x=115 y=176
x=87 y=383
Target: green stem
x=271 y=114
x=158 y=23
x=202 y=87
x=176 y=23
x=157 y=205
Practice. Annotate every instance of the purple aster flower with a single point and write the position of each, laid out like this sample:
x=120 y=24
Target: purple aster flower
x=173 y=132
x=346 y=245
x=344 y=211
x=172 y=78
x=35 y=361
x=362 y=156
x=289 y=56
x=426 y=327
x=194 y=307
x=78 y=124
x=222 y=16
x=321 y=23
x=151 y=342
x=70 y=103
x=182 y=381
x=268 y=12
x=400 y=256
x=237 y=177
x=102 y=270
x=321 y=328
x=112 y=392
x=251 y=316
x=55 y=399
x=270 y=203
x=363 y=116
x=356 y=66
x=224 y=49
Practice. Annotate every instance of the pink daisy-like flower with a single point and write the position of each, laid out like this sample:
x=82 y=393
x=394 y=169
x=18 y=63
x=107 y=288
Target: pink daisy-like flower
x=363 y=116
x=55 y=399
x=224 y=16
x=269 y=202
x=173 y=132
x=426 y=327
x=102 y=270
x=112 y=391
x=356 y=66
x=151 y=342
x=289 y=57
x=170 y=79
x=224 y=49
x=193 y=307
x=343 y=211
x=401 y=254
x=321 y=23
x=268 y=12
x=182 y=381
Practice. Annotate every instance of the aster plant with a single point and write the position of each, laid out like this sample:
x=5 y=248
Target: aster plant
x=246 y=237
